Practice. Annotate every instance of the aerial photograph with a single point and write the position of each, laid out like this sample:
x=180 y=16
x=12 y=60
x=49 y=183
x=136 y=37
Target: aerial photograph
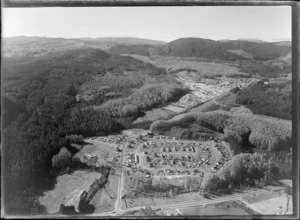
x=146 y=112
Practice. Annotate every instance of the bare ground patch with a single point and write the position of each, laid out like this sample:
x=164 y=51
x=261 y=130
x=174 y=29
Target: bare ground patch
x=68 y=189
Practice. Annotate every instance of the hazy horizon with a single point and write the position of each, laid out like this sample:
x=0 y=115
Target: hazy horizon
x=267 y=23
x=245 y=39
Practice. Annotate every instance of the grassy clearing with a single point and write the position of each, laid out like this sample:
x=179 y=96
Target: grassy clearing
x=153 y=115
x=260 y=197
x=275 y=206
x=68 y=190
x=102 y=150
x=203 y=69
x=226 y=208
x=174 y=108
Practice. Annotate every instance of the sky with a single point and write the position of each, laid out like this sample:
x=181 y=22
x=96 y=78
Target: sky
x=268 y=23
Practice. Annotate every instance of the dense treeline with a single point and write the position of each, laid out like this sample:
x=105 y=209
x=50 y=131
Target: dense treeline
x=269 y=134
x=30 y=144
x=272 y=100
x=244 y=170
x=145 y=98
x=188 y=132
x=265 y=133
x=50 y=114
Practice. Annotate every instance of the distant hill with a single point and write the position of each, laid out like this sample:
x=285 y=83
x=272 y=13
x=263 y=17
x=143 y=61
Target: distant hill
x=210 y=49
x=38 y=46
x=230 y=50
x=205 y=48
x=142 y=49
x=127 y=40
x=132 y=49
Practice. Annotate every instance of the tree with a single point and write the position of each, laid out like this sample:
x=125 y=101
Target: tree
x=62 y=160
x=287 y=190
x=148 y=211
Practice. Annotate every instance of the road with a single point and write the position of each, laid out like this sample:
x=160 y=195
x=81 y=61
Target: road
x=236 y=196
x=120 y=185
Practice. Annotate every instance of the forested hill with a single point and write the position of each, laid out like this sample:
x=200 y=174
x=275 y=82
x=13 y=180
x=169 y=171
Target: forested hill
x=210 y=49
x=31 y=82
x=83 y=91
x=37 y=46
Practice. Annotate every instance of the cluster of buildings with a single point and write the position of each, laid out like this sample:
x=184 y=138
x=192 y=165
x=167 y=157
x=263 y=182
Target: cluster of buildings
x=225 y=156
x=133 y=161
x=172 y=154
x=121 y=139
x=222 y=84
x=179 y=172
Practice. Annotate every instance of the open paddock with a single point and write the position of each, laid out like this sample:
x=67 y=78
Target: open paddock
x=67 y=190
x=225 y=208
x=153 y=115
x=103 y=151
x=280 y=205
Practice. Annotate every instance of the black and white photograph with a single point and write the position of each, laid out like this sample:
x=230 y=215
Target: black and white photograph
x=148 y=111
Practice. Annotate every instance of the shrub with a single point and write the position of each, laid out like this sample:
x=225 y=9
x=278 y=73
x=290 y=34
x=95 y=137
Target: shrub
x=62 y=160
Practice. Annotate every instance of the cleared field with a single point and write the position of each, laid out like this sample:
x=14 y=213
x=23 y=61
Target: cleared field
x=281 y=205
x=209 y=106
x=260 y=197
x=192 y=196
x=226 y=208
x=241 y=53
x=100 y=149
x=134 y=132
x=177 y=181
x=68 y=190
x=174 y=108
x=176 y=64
x=153 y=115
x=105 y=199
